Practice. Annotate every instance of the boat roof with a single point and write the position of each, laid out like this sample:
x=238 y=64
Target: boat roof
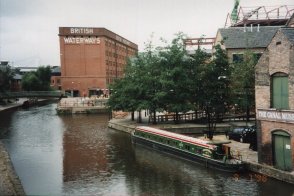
x=177 y=136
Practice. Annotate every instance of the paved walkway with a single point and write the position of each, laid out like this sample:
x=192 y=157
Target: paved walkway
x=247 y=154
x=13 y=105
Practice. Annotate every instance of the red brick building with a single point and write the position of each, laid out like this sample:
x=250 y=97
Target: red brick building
x=91 y=58
x=274 y=90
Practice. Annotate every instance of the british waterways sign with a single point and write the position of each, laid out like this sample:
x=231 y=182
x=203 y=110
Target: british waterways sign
x=274 y=115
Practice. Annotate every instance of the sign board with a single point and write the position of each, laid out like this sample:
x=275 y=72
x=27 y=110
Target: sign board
x=274 y=115
x=81 y=40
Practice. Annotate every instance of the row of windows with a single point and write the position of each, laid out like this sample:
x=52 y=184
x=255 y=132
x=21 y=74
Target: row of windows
x=115 y=55
x=112 y=64
x=57 y=81
x=119 y=47
x=114 y=73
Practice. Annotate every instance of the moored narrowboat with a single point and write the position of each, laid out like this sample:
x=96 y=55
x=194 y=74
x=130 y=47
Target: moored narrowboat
x=210 y=154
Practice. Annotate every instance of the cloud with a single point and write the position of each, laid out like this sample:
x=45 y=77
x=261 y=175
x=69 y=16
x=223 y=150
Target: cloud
x=29 y=28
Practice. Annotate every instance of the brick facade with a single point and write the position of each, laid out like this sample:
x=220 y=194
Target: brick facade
x=277 y=58
x=91 y=58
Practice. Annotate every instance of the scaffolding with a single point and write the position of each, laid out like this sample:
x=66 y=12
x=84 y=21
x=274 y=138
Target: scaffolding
x=262 y=15
x=191 y=43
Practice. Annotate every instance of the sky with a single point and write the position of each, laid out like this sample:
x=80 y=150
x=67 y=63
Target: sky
x=29 y=28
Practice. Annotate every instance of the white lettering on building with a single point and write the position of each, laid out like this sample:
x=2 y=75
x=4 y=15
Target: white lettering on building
x=275 y=115
x=81 y=30
x=122 y=40
x=81 y=40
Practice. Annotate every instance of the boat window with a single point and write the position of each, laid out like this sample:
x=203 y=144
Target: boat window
x=198 y=150
x=187 y=147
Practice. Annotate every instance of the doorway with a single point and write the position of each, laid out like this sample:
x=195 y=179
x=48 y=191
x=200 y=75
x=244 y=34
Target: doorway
x=282 y=150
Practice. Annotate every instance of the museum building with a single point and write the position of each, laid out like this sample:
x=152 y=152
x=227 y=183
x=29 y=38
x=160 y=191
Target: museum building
x=91 y=58
x=274 y=91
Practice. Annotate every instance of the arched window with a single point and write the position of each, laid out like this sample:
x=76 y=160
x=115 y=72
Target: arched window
x=279 y=91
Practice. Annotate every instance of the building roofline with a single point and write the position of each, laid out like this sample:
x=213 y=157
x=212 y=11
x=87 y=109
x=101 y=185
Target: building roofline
x=96 y=31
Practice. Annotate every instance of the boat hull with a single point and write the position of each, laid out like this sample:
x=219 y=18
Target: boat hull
x=207 y=162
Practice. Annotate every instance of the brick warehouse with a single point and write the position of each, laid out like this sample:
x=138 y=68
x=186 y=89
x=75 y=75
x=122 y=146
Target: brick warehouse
x=91 y=58
x=274 y=89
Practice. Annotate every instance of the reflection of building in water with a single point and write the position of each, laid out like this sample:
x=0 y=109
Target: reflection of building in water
x=84 y=150
x=91 y=58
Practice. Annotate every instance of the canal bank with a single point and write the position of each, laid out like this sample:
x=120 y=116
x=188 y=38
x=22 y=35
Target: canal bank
x=249 y=157
x=9 y=182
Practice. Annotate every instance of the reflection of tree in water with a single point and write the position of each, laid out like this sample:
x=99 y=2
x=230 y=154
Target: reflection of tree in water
x=159 y=173
x=6 y=118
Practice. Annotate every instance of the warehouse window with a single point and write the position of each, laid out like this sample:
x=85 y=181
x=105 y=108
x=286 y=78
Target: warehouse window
x=238 y=58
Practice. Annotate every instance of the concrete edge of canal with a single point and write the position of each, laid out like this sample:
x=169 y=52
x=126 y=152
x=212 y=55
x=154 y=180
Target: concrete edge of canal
x=10 y=183
x=266 y=170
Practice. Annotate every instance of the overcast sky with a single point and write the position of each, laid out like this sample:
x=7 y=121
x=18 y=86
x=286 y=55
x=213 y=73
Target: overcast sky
x=29 y=28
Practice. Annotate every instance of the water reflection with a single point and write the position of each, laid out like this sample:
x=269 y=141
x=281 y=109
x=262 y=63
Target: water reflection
x=78 y=155
x=36 y=148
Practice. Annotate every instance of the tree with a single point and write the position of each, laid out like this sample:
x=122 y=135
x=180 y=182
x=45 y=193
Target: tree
x=44 y=75
x=175 y=67
x=214 y=88
x=168 y=79
x=37 y=81
x=30 y=82
x=198 y=64
x=6 y=75
x=243 y=77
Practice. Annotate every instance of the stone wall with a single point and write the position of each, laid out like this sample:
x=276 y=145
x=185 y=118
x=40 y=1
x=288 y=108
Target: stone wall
x=9 y=181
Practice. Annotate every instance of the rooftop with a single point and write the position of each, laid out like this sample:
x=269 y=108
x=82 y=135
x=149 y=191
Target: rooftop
x=248 y=37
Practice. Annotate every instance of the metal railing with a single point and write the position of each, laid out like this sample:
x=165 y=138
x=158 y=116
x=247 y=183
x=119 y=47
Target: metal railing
x=28 y=94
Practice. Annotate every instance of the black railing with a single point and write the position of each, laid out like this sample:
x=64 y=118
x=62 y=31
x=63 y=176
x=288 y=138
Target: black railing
x=29 y=94
x=199 y=117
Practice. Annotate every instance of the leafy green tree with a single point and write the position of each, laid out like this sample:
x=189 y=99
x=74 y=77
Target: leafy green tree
x=168 y=79
x=37 y=81
x=214 y=88
x=44 y=75
x=6 y=75
x=30 y=82
x=243 y=77
x=175 y=66
x=198 y=63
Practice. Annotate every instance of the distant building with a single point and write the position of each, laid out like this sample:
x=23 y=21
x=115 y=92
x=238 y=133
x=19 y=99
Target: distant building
x=236 y=40
x=24 y=70
x=16 y=83
x=274 y=91
x=91 y=58
x=55 y=78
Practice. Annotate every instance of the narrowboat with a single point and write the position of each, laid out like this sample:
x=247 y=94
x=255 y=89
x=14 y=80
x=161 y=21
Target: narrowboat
x=215 y=155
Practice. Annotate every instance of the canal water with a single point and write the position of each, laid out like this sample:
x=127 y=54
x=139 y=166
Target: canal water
x=79 y=155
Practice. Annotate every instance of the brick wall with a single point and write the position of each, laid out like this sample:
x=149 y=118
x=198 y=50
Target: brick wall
x=265 y=148
x=278 y=57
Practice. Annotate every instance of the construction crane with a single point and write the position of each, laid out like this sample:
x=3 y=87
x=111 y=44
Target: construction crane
x=234 y=14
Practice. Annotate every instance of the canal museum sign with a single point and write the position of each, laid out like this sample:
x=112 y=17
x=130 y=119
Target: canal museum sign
x=275 y=115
